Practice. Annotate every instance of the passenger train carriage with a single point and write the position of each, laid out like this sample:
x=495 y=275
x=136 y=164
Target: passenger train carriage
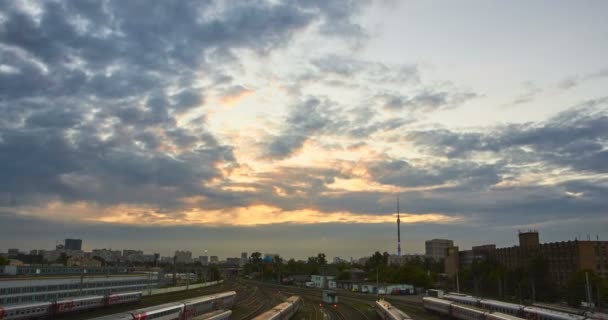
x=521 y=311
x=215 y=315
x=58 y=307
x=196 y=308
x=387 y=312
x=282 y=311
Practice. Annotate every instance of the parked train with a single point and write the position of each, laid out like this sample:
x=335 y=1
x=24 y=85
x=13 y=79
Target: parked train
x=215 y=315
x=183 y=310
x=283 y=311
x=463 y=312
x=528 y=312
x=55 y=308
x=387 y=312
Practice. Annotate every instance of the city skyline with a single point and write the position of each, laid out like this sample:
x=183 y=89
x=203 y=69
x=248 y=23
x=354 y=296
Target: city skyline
x=287 y=126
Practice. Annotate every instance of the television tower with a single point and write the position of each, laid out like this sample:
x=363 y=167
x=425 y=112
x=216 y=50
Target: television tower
x=398 y=231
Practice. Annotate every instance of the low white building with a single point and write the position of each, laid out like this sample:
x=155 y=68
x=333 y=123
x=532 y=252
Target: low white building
x=321 y=281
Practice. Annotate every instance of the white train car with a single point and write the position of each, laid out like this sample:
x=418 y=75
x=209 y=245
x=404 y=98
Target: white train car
x=122 y=298
x=503 y=307
x=464 y=312
x=437 y=305
x=215 y=315
x=116 y=316
x=501 y=316
x=536 y=313
x=462 y=299
x=283 y=311
x=386 y=311
x=78 y=304
x=167 y=311
x=26 y=311
x=201 y=305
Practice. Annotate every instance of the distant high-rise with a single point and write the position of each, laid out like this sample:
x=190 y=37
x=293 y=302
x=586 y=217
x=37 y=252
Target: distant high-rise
x=73 y=244
x=437 y=248
x=398 y=230
x=243 y=258
x=204 y=260
x=183 y=256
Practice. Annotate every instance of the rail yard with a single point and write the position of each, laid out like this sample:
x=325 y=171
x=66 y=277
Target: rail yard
x=254 y=299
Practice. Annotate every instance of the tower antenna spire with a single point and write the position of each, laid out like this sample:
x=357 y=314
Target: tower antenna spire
x=398 y=230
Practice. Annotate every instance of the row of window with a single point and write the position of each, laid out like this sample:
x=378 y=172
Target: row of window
x=17 y=290
x=55 y=296
x=164 y=313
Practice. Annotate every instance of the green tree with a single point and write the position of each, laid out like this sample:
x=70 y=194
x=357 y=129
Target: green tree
x=214 y=273
x=575 y=290
x=4 y=261
x=321 y=259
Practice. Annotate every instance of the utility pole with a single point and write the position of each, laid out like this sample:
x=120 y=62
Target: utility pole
x=377 y=283
x=588 y=289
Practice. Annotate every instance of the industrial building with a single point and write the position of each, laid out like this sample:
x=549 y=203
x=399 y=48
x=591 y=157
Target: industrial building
x=22 y=290
x=436 y=248
x=562 y=257
x=46 y=270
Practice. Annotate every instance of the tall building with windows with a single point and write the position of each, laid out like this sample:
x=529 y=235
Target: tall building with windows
x=436 y=248
x=562 y=258
x=73 y=244
x=243 y=258
x=183 y=256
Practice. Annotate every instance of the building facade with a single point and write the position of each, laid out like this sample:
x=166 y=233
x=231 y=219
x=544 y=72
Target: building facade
x=183 y=256
x=15 y=291
x=73 y=244
x=436 y=248
x=563 y=258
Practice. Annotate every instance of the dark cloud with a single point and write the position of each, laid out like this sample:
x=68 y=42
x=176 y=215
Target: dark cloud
x=90 y=92
x=470 y=175
x=306 y=118
x=574 y=139
x=375 y=72
x=425 y=100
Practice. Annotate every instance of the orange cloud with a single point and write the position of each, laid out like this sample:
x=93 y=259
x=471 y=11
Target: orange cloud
x=243 y=216
x=236 y=97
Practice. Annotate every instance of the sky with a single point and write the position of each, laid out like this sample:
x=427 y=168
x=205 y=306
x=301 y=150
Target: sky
x=294 y=126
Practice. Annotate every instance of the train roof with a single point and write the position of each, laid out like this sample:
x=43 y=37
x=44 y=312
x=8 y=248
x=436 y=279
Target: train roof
x=25 y=305
x=437 y=300
x=504 y=316
x=210 y=297
x=80 y=298
x=219 y=314
x=159 y=308
x=395 y=312
x=501 y=304
x=554 y=314
x=116 y=316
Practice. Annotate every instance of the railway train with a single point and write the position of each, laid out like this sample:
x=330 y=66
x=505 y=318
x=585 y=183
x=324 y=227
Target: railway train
x=182 y=310
x=55 y=308
x=463 y=312
x=528 y=312
x=283 y=311
x=215 y=315
x=387 y=312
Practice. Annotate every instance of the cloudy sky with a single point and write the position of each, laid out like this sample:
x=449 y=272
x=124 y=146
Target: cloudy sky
x=293 y=126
